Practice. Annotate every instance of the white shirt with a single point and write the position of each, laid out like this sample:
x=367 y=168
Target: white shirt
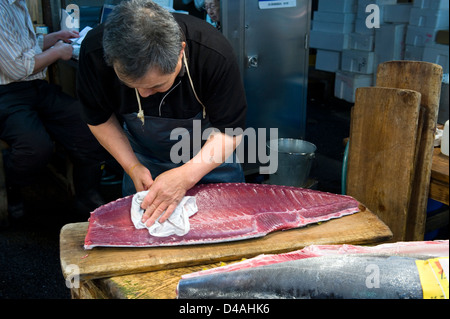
x=19 y=43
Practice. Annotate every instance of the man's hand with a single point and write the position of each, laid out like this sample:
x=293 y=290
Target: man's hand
x=141 y=177
x=64 y=35
x=64 y=50
x=165 y=193
x=67 y=35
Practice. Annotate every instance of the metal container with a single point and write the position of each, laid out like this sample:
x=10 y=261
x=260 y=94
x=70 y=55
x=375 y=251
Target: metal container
x=295 y=158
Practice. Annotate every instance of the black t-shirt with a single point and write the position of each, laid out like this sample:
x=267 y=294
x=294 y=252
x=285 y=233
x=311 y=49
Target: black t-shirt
x=212 y=65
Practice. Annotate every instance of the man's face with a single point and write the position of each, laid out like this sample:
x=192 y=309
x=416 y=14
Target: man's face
x=154 y=81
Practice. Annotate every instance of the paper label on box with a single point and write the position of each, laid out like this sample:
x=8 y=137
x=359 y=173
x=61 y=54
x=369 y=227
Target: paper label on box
x=275 y=4
x=433 y=277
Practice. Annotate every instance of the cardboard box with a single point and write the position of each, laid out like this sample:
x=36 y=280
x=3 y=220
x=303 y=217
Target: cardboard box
x=334 y=17
x=362 y=62
x=337 y=5
x=361 y=27
x=332 y=27
x=397 y=13
x=434 y=19
x=431 y=4
x=413 y=53
x=420 y=36
x=390 y=42
x=328 y=40
x=346 y=83
x=329 y=61
x=437 y=53
x=362 y=42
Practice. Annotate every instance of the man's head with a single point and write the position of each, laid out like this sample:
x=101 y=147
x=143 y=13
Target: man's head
x=140 y=39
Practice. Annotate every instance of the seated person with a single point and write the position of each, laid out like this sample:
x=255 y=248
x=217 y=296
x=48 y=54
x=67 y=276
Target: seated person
x=34 y=113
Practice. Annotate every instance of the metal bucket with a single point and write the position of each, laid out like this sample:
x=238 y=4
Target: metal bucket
x=295 y=158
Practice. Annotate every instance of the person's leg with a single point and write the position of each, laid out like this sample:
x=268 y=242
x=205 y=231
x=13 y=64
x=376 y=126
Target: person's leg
x=30 y=147
x=62 y=119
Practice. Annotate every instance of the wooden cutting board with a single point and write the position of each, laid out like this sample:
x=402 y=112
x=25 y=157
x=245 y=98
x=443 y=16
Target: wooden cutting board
x=425 y=78
x=100 y=262
x=381 y=155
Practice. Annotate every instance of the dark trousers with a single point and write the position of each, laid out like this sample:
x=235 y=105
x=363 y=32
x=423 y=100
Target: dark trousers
x=33 y=115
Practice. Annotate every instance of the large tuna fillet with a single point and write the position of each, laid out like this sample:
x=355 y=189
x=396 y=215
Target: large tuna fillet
x=226 y=212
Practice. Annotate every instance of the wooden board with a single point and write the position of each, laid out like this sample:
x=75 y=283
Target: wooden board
x=439 y=177
x=425 y=78
x=381 y=153
x=159 y=284
x=360 y=228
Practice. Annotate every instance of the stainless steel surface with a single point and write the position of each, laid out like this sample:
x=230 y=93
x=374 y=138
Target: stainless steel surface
x=295 y=159
x=272 y=50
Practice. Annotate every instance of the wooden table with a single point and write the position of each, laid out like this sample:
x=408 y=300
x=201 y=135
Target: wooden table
x=154 y=272
x=439 y=177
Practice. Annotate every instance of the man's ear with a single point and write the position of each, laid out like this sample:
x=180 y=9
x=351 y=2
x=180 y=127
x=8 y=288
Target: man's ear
x=183 y=46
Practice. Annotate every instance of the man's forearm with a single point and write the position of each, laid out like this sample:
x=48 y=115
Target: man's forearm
x=216 y=150
x=44 y=59
x=111 y=136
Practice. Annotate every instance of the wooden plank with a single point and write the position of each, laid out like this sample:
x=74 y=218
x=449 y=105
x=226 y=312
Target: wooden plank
x=360 y=228
x=151 y=285
x=439 y=189
x=425 y=78
x=440 y=166
x=439 y=192
x=35 y=10
x=381 y=154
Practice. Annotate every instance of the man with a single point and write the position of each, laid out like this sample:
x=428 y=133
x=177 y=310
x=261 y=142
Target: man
x=34 y=113
x=162 y=72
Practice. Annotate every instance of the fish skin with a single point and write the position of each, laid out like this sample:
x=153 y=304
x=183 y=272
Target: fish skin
x=418 y=249
x=226 y=212
x=325 y=277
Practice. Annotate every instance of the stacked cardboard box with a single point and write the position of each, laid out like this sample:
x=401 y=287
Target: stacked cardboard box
x=331 y=27
x=348 y=46
x=426 y=19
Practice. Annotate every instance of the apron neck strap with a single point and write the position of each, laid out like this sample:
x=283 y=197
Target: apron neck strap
x=192 y=85
x=141 y=111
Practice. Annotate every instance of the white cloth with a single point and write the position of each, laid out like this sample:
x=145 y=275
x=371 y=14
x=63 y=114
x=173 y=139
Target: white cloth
x=176 y=224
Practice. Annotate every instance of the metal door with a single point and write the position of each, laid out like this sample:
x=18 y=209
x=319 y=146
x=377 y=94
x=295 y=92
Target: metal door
x=270 y=39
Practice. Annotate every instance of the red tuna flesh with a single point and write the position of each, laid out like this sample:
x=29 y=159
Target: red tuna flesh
x=226 y=212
